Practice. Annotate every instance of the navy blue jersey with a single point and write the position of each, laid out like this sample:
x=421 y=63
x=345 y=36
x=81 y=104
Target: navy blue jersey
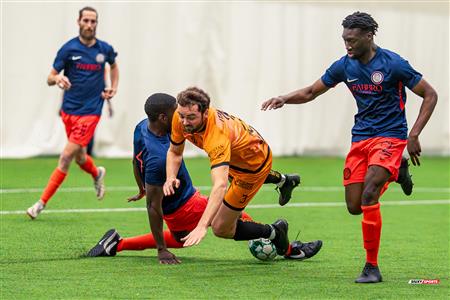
x=85 y=68
x=150 y=152
x=379 y=90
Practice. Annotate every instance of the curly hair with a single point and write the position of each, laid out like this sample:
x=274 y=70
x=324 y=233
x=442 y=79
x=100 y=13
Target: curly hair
x=360 y=20
x=194 y=96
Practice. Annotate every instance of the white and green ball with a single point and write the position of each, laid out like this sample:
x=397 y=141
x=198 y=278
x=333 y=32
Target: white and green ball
x=262 y=249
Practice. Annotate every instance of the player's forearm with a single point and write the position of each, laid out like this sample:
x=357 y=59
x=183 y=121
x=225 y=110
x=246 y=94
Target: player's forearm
x=137 y=176
x=215 y=199
x=155 y=216
x=299 y=96
x=51 y=79
x=173 y=164
x=426 y=110
x=114 y=76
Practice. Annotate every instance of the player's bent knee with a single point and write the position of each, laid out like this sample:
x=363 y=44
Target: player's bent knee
x=354 y=210
x=222 y=232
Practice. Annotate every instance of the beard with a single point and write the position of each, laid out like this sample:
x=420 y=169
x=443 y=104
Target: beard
x=87 y=34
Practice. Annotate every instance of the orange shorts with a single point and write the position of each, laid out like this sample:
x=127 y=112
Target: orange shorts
x=80 y=129
x=187 y=216
x=244 y=186
x=380 y=151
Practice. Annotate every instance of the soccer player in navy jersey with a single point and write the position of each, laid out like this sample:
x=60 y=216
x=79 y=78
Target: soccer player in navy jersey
x=377 y=78
x=83 y=60
x=180 y=211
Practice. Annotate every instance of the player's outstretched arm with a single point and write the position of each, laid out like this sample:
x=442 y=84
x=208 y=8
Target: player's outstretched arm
x=139 y=183
x=155 y=216
x=55 y=78
x=173 y=163
x=219 y=177
x=429 y=95
x=304 y=95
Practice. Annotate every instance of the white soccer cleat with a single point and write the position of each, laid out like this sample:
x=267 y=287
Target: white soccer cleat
x=35 y=210
x=99 y=183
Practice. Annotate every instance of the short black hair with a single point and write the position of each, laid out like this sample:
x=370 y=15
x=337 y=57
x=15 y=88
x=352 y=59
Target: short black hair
x=157 y=104
x=360 y=20
x=87 y=8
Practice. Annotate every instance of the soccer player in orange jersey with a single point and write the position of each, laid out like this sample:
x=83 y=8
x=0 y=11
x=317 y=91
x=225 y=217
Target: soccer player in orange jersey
x=237 y=152
x=83 y=60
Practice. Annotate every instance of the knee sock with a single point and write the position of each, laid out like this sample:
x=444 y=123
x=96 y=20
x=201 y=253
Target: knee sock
x=147 y=241
x=371 y=229
x=250 y=230
x=53 y=184
x=89 y=167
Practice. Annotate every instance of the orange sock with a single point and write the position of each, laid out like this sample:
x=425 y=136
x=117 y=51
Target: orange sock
x=147 y=241
x=53 y=184
x=245 y=216
x=384 y=188
x=89 y=166
x=371 y=229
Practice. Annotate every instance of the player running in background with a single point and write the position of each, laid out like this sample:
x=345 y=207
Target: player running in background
x=237 y=152
x=182 y=210
x=83 y=60
x=377 y=78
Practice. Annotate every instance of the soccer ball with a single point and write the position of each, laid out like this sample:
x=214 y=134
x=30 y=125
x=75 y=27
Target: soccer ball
x=262 y=249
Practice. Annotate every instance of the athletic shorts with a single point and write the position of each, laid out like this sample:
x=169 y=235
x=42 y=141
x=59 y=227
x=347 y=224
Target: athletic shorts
x=380 y=151
x=244 y=186
x=187 y=216
x=80 y=129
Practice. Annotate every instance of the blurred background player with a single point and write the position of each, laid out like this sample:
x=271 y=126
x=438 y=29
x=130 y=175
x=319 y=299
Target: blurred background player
x=83 y=60
x=236 y=151
x=377 y=78
x=182 y=210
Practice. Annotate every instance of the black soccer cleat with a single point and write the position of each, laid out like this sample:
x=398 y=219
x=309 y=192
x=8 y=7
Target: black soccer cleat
x=291 y=182
x=281 y=240
x=404 y=178
x=107 y=246
x=303 y=251
x=370 y=274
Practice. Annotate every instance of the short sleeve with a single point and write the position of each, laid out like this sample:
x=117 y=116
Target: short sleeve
x=334 y=74
x=407 y=74
x=176 y=135
x=218 y=147
x=111 y=55
x=60 y=59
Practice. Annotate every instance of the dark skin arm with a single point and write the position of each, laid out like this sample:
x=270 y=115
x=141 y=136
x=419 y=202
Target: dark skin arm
x=155 y=215
x=139 y=183
x=300 y=96
x=429 y=95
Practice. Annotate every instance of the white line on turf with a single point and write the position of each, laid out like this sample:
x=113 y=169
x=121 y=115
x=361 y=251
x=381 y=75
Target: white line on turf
x=256 y=206
x=318 y=189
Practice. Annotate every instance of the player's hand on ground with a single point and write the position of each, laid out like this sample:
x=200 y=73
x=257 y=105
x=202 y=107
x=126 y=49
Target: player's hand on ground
x=137 y=197
x=414 y=150
x=167 y=258
x=63 y=82
x=108 y=93
x=170 y=185
x=273 y=103
x=195 y=236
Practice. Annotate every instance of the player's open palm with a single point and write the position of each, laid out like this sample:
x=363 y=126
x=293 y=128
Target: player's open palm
x=167 y=258
x=195 y=236
x=137 y=197
x=170 y=185
x=273 y=103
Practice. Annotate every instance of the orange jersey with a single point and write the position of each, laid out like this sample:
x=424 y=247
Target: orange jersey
x=228 y=141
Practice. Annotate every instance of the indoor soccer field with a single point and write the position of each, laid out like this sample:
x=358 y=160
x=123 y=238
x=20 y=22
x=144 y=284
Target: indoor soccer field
x=44 y=258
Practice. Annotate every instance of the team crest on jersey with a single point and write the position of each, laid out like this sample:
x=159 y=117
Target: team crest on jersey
x=100 y=58
x=377 y=77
